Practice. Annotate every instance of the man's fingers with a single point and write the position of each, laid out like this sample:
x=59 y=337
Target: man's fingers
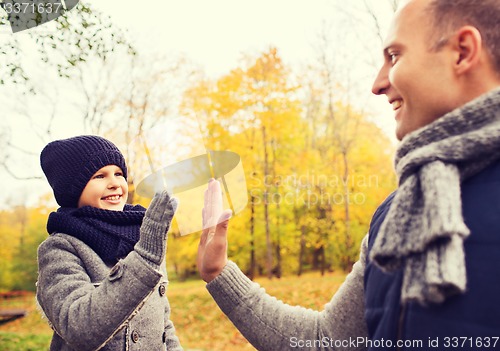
x=203 y=238
x=212 y=204
x=202 y=246
x=222 y=223
x=212 y=249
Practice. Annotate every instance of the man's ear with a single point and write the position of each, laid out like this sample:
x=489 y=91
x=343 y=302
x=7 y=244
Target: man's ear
x=469 y=48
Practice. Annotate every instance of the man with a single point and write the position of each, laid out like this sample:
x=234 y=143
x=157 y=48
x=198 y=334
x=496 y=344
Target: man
x=429 y=268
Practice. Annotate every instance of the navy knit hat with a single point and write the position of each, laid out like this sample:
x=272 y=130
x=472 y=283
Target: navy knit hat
x=69 y=164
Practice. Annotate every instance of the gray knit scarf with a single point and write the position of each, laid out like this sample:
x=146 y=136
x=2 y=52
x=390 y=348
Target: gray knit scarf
x=424 y=230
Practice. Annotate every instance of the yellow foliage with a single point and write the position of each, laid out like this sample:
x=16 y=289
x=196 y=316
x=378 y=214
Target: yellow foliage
x=309 y=164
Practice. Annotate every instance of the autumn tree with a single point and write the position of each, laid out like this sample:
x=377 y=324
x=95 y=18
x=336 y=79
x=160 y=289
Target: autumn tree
x=255 y=111
x=22 y=229
x=306 y=180
x=65 y=64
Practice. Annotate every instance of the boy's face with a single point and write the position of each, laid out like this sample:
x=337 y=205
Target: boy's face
x=107 y=189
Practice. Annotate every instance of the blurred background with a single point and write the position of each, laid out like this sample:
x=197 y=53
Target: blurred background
x=286 y=85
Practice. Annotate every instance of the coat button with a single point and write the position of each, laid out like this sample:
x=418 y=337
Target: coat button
x=162 y=290
x=135 y=336
x=164 y=337
x=116 y=272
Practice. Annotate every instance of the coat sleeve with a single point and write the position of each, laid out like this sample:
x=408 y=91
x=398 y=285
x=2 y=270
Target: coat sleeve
x=84 y=315
x=269 y=324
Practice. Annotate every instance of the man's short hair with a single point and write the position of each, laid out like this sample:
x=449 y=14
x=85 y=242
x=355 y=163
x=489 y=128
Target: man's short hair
x=450 y=15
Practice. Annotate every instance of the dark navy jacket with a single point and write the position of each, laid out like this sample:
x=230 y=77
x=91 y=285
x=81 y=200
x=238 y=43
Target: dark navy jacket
x=466 y=322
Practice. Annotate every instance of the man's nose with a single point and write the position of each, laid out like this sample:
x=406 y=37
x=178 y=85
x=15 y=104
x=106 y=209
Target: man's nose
x=381 y=83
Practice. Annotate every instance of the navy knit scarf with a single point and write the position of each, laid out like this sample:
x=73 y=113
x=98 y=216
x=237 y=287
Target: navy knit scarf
x=111 y=234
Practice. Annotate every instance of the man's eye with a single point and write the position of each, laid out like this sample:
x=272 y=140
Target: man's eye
x=393 y=58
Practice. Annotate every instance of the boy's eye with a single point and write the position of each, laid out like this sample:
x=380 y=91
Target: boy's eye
x=98 y=176
x=118 y=174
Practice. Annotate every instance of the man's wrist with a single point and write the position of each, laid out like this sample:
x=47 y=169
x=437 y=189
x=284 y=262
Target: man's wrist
x=209 y=276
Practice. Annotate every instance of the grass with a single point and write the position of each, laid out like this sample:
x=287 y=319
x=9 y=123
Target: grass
x=199 y=322
x=29 y=333
x=25 y=342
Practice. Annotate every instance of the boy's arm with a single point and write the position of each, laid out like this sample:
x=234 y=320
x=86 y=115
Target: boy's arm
x=269 y=324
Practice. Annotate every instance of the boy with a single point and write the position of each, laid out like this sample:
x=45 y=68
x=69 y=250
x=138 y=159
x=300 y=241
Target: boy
x=102 y=276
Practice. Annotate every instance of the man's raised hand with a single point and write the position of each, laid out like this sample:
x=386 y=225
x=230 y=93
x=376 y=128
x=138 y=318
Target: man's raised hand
x=212 y=250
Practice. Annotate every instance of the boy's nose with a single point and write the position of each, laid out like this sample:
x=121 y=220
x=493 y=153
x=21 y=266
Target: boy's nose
x=113 y=183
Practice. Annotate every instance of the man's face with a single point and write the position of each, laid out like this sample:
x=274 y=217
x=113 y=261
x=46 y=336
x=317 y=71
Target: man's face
x=417 y=81
x=107 y=189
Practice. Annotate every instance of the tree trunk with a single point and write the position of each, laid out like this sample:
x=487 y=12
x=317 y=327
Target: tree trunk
x=252 y=239
x=348 y=238
x=278 y=268
x=302 y=249
x=269 y=263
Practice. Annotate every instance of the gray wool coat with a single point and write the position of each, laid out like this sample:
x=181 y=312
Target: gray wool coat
x=95 y=307
x=92 y=306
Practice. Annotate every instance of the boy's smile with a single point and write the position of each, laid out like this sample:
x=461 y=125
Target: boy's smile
x=112 y=199
x=107 y=189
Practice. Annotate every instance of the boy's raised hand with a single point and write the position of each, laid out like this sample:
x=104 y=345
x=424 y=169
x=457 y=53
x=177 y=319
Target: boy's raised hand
x=212 y=250
x=155 y=225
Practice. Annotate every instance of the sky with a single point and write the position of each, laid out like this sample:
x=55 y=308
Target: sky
x=216 y=34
